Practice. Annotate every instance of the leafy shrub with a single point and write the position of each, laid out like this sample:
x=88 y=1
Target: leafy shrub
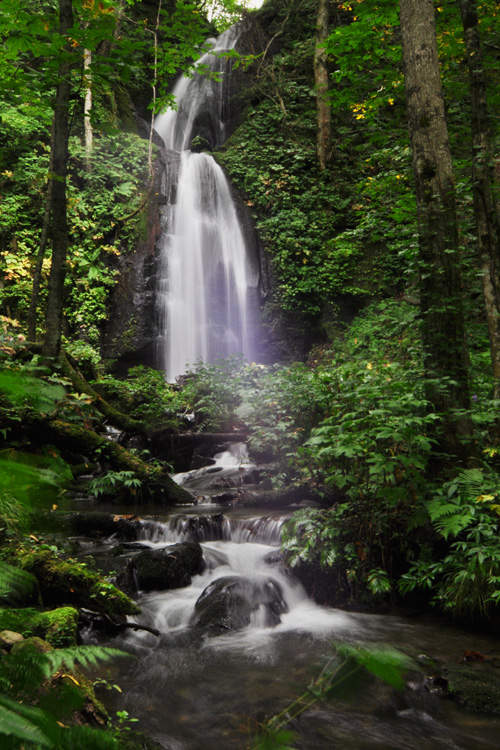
x=466 y=580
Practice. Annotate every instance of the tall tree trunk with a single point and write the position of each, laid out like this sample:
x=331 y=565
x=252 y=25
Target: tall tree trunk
x=54 y=312
x=440 y=285
x=87 y=108
x=323 y=109
x=485 y=207
x=37 y=273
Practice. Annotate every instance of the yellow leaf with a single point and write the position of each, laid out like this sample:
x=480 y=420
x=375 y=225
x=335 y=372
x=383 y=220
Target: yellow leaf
x=485 y=498
x=70 y=677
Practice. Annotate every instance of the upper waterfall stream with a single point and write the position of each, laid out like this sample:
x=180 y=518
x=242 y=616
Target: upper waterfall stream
x=206 y=277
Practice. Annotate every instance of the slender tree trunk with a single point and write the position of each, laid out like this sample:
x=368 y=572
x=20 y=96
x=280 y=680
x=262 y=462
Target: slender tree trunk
x=323 y=109
x=87 y=108
x=440 y=285
x=54 y=312
x=485 y=207
x=155 y=79
x=37 y=273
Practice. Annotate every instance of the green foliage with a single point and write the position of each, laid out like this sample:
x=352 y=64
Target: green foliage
x=369 y=443
x=28 y=668
x=297 y=208
x=25 y=479
x=58 y=627
x=22 y=673
x=111 y=483
x=145 y=395
x=15 y=584
x=465 y=580
x=212 y=393
x=99 y=201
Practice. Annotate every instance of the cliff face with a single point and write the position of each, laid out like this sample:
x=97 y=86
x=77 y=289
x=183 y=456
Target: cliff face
x=129 y=337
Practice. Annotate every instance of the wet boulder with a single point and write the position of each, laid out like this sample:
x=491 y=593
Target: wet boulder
x=167 y=568
x=234 y=602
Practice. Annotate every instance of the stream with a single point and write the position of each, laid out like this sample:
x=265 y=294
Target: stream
x=191 y=689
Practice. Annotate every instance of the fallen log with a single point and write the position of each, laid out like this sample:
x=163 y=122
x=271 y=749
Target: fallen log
x=76 y=439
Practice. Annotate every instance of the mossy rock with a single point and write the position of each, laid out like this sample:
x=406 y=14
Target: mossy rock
x=71 y=583
x=57 y=626
x=68 y=696
x=476 y=688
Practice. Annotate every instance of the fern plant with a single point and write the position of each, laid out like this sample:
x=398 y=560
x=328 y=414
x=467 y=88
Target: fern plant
x=112 y=481
x=467 y=579
x=23 y=672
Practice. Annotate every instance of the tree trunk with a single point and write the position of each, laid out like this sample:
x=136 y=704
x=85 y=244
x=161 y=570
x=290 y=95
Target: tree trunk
x=485 y=208
x=54 y=312
x=37 y=273
x=445 y=354
x=323 y=109
x=87 y=108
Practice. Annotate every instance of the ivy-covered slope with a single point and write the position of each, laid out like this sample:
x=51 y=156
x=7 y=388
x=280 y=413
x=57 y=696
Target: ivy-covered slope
x=335 y=238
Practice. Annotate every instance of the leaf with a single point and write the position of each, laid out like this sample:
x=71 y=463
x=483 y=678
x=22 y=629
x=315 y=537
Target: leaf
x=86 y=656
x=12 y=723
x=384 y=662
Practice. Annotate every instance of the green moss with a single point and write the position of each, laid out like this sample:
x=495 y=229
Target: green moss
x=67 y=582
x=58 y=627
x=477 y=689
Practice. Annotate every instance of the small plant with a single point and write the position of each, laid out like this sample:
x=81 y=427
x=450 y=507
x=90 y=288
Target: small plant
x=101 y=682
x=111 y=482
x=124 y=718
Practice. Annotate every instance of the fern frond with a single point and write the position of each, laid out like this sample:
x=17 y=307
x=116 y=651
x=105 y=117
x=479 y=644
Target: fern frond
x=438 y=509
x=23 y=722
x=85 y=656
x=471 y=481
x=14 y=583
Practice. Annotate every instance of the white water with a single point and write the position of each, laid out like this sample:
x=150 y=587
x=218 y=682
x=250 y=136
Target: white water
x=192 y=689
x=201 y=94
x=242 y=551
x=228 y=463
x=205 y=275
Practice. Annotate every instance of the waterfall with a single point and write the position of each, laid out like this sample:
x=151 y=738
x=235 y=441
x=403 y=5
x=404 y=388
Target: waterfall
x=261 y=530
x=206 y=279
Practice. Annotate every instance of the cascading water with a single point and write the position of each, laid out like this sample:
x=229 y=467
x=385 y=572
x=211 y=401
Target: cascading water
x=196 y=686
x=204 y=95
x=206 y=278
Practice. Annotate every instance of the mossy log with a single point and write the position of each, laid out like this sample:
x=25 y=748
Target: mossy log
x=76 y=439
x=73 y=584
x=83 y=386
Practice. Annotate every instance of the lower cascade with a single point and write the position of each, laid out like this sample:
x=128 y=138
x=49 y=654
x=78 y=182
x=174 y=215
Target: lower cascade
x=229 y=635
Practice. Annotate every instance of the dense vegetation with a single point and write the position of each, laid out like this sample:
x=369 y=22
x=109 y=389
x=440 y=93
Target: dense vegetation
x=362 y=424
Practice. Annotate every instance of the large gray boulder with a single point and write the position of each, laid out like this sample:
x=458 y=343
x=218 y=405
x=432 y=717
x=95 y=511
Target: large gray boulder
x=230 y=603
